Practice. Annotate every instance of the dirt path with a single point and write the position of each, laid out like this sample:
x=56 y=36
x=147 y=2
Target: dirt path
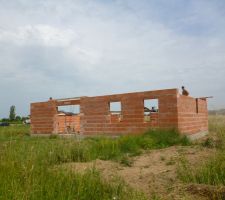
x=153 y=172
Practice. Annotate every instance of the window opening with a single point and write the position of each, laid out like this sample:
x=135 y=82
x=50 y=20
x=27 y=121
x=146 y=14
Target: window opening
x=68 y=119
x=151 y=106
x=115 y=111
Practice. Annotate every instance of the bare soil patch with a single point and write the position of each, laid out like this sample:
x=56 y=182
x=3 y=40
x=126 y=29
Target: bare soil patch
x=209 y=191
x=154 y=172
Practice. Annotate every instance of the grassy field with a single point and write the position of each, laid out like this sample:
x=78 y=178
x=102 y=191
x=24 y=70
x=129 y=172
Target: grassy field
x=27 y=164
x=212 y=172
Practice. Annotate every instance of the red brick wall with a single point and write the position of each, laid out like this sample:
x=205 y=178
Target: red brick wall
x=67 y=123
x=97 y=119
x=42 y=117
x=192 y=115
x=116 y=118
x=175 y=111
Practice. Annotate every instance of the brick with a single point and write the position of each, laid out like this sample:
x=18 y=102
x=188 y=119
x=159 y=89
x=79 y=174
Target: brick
x=186 y=114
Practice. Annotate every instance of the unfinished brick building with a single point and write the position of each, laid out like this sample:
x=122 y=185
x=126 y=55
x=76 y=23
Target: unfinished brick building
x=133 y=116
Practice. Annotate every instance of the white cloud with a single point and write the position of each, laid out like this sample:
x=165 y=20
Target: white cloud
x=40 y=34
x=77 y=48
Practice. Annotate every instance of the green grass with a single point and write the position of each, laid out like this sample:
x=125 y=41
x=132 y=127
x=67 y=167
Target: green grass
x=212 y=172
x=35 y=182
x=27 y=164
x=14 y=132
x=110 y=149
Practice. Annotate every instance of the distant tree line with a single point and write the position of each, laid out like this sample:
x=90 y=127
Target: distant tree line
x=13 y=118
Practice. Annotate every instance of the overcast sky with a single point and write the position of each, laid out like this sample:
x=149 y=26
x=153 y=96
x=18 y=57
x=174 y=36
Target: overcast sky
x=94 y=47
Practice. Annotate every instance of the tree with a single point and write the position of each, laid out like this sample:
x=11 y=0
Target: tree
x=18 y=118
x=12 y=113
x=5 y=119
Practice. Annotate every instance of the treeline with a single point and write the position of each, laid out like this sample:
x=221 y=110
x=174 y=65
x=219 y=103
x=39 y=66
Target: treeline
x=13 y=118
